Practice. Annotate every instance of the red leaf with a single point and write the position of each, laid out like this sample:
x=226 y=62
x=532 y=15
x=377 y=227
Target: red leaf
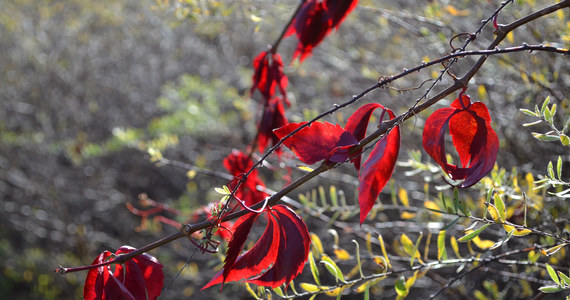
x=273 y=117
x=294 y=242
x=139 y=278
x=318 y=141
x=473 y=137
x=312 y=24
x=268 y=75
x=237 y=164
x=357 y=125
x=377 y=169
x=277 y=257
x=339 y=9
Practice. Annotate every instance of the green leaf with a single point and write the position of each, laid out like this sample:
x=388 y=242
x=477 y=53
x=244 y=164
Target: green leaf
x=565 y=280
x=565 y=140
x=450 y=224
x=473 y=234
x=400 y=286
x=544 y=105
x=550 y=170
x=553 y=110
x=441 y=245
x=314 y=269
x=332 y=267
x=531 y=123
x=456 y=200
x=334 y=196
x=559 y=168
x=548 y=116
x=550 y=289
x=552 y=274
x=415 y=251
x=528 y=112
x=279 y=291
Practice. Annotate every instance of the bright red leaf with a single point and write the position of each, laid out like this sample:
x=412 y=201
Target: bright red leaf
x=378 y=169
x=138 y=278
x=268 y=75
x=238 y=164
x=473 y=137
x=318 y=141
x=357 y=124
x=278 y=256
x=273 y=117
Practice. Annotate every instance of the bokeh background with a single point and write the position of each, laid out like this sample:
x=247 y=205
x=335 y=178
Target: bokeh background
x=87 y=87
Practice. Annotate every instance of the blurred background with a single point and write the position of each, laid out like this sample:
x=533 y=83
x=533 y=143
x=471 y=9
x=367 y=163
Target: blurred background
x=87 y=87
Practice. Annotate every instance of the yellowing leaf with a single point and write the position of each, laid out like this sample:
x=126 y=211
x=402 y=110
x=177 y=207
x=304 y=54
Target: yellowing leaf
x=407 y=243
x=483 y=244
x=316 y=245
x=379 y=260
x=341 y=254
x=335 y=292
x=406 y=215
x=431 y=205
x=494 y=213
x=305 y=168
x=381 y=240
x=510 y=37
x=311 y=288
x=455 y=12
x=454 y=246
x=403 y=195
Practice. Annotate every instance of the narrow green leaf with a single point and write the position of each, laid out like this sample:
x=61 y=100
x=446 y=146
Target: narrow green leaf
x=221 y=191
x=548 y=115
x=473 y=234
x=415 y=251
x=531 y=123
x=441 y=245
x=553 y=110
x=559 y=167
x=528 y=112
x=550 y=289
x=322 y=196
x=314 y=269
x=544 y=105
x=333 y=194
x=550 y=170
x=456 y=200
x=564 y=279
x=358 y=258
x=450 y=224
x=552 y=274
x=332 y=267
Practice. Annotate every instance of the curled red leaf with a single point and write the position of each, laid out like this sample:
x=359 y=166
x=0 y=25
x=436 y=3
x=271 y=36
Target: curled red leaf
x=318 y=141
x=268 y=74
x=273 y=117
x=237 y=164
x=378 y=169
x=315 y=21
x=138 y=278
x=357 y=124
x=473 y=137
x=278 y=256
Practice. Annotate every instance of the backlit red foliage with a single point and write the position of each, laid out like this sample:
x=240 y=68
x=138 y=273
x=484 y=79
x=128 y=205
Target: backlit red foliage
x=273 y=117
x=238 y=164
x=138 y=278
x=473 y=137
x=268 y=74
x=278 y=256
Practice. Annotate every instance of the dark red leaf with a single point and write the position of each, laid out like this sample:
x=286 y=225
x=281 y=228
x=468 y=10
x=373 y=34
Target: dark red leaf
x=473 y=137
x=294 y=242
x=358 y=123
x=277 y=257
x=339 y=9
x=273 y=117
x=139 y=278
x=377 y=169
x=312 y=24
x=318 y=141
x=237 y=164
x=259 y=258
x=268 y=74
